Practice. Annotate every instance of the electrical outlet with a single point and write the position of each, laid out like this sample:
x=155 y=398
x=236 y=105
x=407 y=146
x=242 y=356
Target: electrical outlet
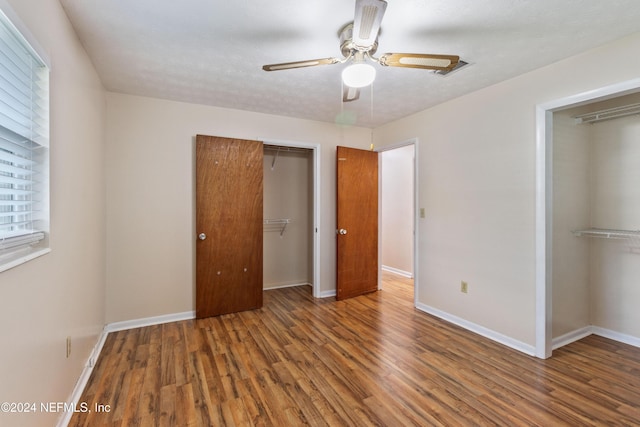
x=464 y=287
x=68 y=347
x=422 y=213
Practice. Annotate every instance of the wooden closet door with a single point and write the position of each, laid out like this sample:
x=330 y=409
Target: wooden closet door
x=229 y=225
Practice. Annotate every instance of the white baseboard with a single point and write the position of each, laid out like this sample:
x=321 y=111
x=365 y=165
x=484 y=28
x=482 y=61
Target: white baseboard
x=480 y=330
x=150 y=321
x=328 y=294
x=616 y=336
x=403 y=273
x=595 y=330
x=63 y=421
x=271 y=287
x=570 y=337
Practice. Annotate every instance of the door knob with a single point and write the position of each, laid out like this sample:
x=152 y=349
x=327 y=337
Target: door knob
x=342 y=231
x=202 y=236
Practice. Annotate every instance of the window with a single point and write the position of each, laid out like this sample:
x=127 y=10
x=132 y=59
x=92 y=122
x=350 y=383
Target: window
x=24 y=149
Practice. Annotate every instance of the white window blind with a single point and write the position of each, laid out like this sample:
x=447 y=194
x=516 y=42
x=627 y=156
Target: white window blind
x=24 y=141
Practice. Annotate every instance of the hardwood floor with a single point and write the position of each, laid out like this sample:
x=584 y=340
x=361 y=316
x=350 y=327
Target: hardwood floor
x=370 y=360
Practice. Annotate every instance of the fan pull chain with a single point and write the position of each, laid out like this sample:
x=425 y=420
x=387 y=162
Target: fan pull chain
x=371 y=116
x=341 y=99
x=340 y=124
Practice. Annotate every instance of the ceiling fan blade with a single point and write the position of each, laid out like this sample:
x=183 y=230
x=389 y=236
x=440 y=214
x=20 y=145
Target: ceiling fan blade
x=300 y=64
x=418 y=60
x=350 y=94
x=366 y=23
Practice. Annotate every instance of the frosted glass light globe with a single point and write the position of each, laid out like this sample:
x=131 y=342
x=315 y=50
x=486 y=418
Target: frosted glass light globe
x=358 y=75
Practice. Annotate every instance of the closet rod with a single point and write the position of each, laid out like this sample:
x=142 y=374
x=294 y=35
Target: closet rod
x=279 y=148
x=285 y=148
x=609 y=113
x=277 y=221
x=608 y=233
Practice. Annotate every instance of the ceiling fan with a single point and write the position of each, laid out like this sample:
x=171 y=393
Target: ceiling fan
x=359 y=42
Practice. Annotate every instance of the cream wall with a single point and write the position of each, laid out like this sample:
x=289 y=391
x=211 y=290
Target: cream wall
x=150 y=195
x=477 y=184
x=62 y=293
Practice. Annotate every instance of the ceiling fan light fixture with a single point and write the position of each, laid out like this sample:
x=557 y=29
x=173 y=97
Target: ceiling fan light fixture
x=358 y=75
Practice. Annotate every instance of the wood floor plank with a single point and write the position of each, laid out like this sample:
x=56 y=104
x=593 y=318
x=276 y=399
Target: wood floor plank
x=373 y=360
x=185 y=406
x=206 y=413
x=149 y=403
x=255 y=407
x=167 y=415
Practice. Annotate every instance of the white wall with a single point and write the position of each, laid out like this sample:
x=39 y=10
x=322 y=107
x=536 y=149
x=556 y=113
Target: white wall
x=477 y=184
x=150 y=195
x=397 y=209
x=62 y=293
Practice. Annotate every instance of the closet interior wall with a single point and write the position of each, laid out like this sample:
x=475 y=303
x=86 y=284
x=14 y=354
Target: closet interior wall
x=596 y=176
x=288 y=216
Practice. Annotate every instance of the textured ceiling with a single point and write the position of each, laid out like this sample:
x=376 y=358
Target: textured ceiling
x=212 y=51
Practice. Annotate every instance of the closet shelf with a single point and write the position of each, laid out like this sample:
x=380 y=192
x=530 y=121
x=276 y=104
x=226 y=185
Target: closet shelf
x=279 y=148
x=606 y=233
x=277 y=224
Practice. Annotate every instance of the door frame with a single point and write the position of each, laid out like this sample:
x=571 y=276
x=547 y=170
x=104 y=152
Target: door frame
x=315 y=149
x=416 y=268
x=544 y=203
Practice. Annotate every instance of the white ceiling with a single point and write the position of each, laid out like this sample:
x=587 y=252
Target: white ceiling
x=212 y=51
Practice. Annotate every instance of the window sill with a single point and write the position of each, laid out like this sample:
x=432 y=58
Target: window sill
x=22 y=258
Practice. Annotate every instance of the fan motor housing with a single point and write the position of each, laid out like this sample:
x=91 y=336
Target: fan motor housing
x=347 y=46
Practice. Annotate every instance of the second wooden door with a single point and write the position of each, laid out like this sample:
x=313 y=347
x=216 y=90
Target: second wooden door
x=357 y=220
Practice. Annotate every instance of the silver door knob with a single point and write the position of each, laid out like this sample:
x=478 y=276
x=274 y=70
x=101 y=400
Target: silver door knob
x=342 y=231
x=202 y=236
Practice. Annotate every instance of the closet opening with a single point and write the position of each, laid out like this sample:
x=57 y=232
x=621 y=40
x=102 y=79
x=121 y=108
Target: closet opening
x=290 y=216
x=588 y=218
